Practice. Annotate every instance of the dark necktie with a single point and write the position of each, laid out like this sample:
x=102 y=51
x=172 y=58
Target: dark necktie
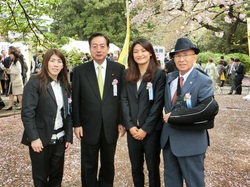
x=180 y=81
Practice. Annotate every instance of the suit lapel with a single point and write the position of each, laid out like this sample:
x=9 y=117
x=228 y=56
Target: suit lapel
x=142 y=87
x=109 y=77
x=51 y=92
x=65 y=100
x=189 y=82
x=91 y=75
x=168 y=98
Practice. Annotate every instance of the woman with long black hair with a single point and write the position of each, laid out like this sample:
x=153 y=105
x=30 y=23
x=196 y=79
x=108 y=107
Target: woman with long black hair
x=16 y=83
x=142 y=103
x=46 y=118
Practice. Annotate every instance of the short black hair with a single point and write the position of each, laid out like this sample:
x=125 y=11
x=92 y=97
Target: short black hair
x=96 y=35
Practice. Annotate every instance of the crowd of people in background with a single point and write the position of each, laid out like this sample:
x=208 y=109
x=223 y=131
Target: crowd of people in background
x=220 y=73
x=13 y=71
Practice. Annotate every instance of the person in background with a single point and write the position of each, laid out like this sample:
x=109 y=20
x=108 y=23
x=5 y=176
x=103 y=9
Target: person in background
x=142 y=102
x=6 y=63
x=115 y=58
x=4 y=55
x=221 y=70
x=46 y=117
x=231 y=73
x=184 y=149
x=170 y=66
x=110 y=56
x=199 y=65
x=2 y=76
x=15 y=89
x=239 y=75
x=36 y=62
x=23 y=64
x=2 y=84
x=97 y=117
x=212 y=72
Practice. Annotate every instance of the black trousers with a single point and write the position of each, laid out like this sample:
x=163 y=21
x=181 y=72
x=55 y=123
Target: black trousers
x=238 y=83
x=89 y=163
x=149 y=148
x=47 y=166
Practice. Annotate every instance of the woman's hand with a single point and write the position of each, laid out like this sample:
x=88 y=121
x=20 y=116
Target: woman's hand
x=67 y=146
x=37 y=145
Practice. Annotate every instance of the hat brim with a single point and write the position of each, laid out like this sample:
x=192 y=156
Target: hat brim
x=196 y=50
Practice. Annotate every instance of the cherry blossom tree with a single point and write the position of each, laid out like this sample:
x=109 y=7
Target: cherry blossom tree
x=170 y=19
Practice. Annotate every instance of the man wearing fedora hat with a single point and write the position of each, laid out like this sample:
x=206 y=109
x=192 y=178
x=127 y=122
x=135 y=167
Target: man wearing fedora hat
x=184 y=146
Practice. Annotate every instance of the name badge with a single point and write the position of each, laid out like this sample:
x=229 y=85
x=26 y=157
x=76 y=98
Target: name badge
x=115 y=90
x=150 y=91
x=114 y=83
x=151 y=94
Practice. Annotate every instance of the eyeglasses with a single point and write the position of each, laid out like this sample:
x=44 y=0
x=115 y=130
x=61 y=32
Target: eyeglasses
x=185 y=56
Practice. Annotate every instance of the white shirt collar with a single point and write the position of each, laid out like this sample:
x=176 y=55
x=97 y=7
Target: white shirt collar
x=104 y=64
x=185 y=76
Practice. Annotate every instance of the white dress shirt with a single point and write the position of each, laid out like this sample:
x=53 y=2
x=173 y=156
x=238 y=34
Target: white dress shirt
x=59 y=101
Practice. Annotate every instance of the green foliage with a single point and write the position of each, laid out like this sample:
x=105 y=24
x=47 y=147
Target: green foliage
x=73 y=57
x=83 y=18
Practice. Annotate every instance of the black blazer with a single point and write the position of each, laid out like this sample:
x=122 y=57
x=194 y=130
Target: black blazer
x=240 y=71
x=39 y=113
x=137 y=106
x=89 y=110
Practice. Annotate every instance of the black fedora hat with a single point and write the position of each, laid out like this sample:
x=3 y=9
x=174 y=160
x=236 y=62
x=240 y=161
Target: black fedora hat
x=183 y=44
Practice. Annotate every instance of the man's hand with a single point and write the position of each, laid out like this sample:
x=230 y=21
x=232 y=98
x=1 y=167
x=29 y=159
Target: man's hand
x=37 y=145
x=78 y=132
x=133 y=131
x=165 y=116
x=121 y=130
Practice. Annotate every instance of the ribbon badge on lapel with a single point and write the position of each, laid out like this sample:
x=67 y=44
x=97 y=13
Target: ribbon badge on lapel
x=114 y=83
x=187 y=98
x=150 y=91
x=69 y=102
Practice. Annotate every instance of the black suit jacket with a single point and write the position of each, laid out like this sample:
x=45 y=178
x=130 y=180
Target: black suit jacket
x=89 y=110
x=137 y=106
x=240 y=71
x=39 y=110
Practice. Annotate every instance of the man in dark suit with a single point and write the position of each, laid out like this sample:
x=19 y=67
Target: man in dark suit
x=97 y=112
x=184 y=149
x=239 y=75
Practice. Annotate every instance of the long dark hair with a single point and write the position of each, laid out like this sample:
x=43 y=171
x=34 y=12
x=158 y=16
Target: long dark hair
x=17 y=57
x=43 y=75
x=133 y=74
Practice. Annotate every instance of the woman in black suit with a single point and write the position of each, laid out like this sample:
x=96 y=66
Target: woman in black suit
x=142 y=103
x=47 y=120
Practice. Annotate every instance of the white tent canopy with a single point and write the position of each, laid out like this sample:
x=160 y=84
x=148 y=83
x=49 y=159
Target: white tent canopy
x=83 y=46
